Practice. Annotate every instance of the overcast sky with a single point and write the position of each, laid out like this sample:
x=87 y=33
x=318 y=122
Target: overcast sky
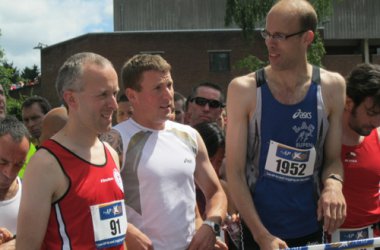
x=26 y=23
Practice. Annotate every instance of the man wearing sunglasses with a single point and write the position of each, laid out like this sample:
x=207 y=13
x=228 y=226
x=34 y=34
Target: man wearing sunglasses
x=206 y=103
x=284 y=138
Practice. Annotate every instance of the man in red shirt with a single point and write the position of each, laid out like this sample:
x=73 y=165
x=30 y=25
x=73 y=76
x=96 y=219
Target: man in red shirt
x=361 y=154
x=73 y=196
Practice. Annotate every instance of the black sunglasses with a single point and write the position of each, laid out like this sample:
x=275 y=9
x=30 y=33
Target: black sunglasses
x=203 y=101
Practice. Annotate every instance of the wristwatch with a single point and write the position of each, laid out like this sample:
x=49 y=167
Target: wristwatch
x=214 y=226
x=336 y=177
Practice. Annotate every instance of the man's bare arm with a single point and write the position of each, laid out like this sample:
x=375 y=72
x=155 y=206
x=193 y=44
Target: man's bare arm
x=216 y=201
x=43 y=183
x=135 y=239
x=332 y=205
x=208 y=182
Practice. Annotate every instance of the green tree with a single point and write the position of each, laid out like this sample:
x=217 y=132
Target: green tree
x=15 y=72
x=250 y=15
x=7 y=74
x=30 y=73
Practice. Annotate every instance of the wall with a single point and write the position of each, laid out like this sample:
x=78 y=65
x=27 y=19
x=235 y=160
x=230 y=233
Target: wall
x=341 y=63
x=187 y=52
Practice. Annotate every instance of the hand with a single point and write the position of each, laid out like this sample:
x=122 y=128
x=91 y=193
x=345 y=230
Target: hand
x=5 y=235
x=137 y=240
x=270 y=242
x=332 y=206
x=204 y=239
x=10 y=245
x=235 y=217
x=220 y=245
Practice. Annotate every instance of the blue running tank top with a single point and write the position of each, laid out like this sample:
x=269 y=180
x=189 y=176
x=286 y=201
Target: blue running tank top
x=284 y=159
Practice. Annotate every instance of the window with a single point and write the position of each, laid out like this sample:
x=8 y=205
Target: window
x=219 y=61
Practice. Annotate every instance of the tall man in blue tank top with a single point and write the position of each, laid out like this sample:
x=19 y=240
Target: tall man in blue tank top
x=287 y=177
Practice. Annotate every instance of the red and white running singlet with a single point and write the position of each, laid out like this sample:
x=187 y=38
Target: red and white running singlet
x=91 y=214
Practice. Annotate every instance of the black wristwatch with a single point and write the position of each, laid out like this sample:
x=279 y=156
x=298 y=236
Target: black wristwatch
x=336 y=177
x=214 y=226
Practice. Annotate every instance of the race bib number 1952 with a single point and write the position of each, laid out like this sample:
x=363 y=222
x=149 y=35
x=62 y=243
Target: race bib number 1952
x=289 y=164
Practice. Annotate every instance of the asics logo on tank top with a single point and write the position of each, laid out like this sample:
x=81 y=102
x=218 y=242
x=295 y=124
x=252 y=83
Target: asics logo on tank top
x=187 y=161
x=301 y=115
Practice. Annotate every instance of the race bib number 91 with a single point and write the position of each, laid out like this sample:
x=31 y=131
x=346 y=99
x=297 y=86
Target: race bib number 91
x=289 y=164
x=110 y=223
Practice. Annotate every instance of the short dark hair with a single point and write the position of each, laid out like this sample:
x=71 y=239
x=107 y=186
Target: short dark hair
x=133 y=69
x=12 y=126
x=187 y=103
x=122 y=98
x=308 y=18
x=42 y=102
x=210 y=85
x=363 y=82
x=212 y=135
x=179 y=97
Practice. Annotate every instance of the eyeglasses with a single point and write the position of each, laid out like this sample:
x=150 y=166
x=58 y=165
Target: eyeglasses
x=203 y=101
x=279 y=36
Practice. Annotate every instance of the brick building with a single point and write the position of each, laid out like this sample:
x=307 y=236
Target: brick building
x=191 y=35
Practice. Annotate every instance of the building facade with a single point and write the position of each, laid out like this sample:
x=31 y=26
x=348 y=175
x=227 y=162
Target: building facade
x=191 y=36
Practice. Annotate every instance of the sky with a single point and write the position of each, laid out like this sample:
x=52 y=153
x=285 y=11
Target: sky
x=24 y=24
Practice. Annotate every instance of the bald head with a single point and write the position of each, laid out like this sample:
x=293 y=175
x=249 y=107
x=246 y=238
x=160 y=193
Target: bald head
x=54 y=121
x=297 y=9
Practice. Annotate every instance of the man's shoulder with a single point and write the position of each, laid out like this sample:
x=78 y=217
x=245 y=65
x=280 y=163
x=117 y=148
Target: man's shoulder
x=247 y=80
x=124 y=129
x=172 y=124
x=44 y=159
x=122 y=125
x=242 y=90
x=331 y=78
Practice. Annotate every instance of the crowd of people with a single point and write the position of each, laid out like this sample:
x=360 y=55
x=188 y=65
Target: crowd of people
x=21 y=84
x=296 y=163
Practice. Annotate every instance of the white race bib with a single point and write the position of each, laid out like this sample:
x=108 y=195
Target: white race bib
x=289 y=164
x=110 y=223
x=349 y=234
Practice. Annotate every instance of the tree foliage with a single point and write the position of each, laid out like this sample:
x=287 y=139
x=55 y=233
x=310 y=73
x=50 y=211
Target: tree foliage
x=250 y=15
x=10 y=74
x=14 y=105
x=15 y=73
x=250 y=63
x=30 y=73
